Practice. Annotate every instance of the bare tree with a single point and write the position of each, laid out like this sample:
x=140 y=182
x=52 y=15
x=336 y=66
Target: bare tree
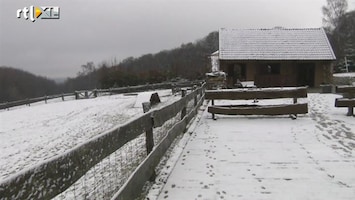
x=87 y=69
x=332 y=13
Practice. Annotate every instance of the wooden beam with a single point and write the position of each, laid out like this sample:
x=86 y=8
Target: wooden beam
x=342 y=102
x=345 y=89
x=282 y=109
x=257 y=93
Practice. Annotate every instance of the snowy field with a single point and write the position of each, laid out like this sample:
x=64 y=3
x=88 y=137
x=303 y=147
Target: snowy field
x=30 y=135
x=265 y=157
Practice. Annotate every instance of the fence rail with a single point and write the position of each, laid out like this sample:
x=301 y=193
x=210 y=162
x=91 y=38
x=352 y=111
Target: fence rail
x=54 y=176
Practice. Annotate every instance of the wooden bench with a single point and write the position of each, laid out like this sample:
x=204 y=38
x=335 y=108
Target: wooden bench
x=348 y=99
x=258 y=93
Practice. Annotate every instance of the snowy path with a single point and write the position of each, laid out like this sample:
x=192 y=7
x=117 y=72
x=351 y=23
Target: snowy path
x=30 y=135
x=239 y=157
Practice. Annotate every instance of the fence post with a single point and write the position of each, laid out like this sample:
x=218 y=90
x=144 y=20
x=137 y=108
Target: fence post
x=76 y=95
x=183 y=111
x=149 y=138
x=350 y=111
x=45 y=99
x=62 y=97
x=86 y=94
x=195 y=96
x=95 y=93
x=213 y=115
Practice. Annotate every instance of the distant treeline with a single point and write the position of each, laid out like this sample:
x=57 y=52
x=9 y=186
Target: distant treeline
x=190 y=61
x=17 y=84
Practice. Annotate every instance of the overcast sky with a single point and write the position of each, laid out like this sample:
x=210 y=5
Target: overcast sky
x=98 y=30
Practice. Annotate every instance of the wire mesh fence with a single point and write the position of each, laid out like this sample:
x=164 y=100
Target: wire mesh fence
x=107 y=174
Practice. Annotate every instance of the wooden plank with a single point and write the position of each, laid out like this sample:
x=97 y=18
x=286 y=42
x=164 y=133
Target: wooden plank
x=282 y=109
x=345 y=89
x=342 y=102
x=257 y=93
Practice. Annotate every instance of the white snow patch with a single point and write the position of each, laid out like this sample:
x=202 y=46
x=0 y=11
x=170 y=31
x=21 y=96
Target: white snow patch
x=349 y=74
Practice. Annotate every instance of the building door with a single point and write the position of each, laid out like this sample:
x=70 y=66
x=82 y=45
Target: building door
x=236 y=73
x=306 y=72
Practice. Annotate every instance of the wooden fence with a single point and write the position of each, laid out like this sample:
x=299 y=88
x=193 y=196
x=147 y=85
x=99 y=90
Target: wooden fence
x=97 y=92
x=54 y=176
x=33 y=100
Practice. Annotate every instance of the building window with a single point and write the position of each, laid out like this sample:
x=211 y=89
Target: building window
x=273 y=68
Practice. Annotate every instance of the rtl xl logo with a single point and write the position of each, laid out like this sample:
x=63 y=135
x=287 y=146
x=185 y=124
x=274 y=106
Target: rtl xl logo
x=38 y=12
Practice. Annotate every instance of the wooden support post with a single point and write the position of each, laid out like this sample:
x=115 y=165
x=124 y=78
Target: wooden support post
x=294 y=116
x=350 y=111
x=86 y=94
x=195 y=100
x=149 y=138
x=62 y=97
x=183 y=111
x=95 y=93
x=76 y=94
x=213 y=116
x=45 y=99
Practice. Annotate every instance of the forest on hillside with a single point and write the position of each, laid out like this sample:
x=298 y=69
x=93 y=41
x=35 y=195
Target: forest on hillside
x=189 y=61
x=17 y=84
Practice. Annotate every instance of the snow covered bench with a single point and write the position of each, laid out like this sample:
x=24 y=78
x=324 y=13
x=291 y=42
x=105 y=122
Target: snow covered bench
x=348 y=99
x=258 y=93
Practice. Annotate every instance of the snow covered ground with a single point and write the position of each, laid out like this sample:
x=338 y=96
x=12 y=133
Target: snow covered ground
x=30 y=135
x=262 y=157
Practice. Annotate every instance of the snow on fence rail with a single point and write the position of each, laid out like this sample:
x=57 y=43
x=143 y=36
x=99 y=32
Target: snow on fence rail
x=55 y=175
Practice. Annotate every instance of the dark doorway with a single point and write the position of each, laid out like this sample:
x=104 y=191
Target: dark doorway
x=306 y=72
x=236 y=73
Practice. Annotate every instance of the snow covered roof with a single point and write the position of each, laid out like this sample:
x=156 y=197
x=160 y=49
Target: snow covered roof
x=274 y=44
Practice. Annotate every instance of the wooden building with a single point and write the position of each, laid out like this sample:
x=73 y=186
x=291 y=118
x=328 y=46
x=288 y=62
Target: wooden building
x=276 y=57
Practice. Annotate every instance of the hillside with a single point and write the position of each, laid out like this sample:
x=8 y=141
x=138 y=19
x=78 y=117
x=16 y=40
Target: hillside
x=189 y=61
x=17 y=84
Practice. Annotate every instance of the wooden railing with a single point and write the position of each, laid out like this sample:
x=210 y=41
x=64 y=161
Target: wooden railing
x=33 y=100
x=348 y=99
x=54 y=176
x=257 y=94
